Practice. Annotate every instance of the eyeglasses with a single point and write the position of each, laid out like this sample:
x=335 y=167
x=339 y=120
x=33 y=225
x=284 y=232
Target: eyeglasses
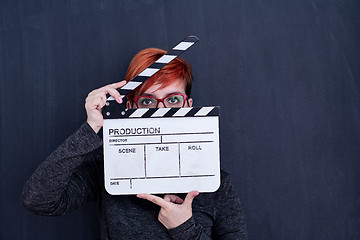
x=172 y=100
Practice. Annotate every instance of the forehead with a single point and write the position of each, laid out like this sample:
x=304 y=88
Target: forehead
x=162 y=89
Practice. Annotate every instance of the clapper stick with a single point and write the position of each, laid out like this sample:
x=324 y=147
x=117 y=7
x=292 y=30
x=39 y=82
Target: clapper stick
x=113 y=110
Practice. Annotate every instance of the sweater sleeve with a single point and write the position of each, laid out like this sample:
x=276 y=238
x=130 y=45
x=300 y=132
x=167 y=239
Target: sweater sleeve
x=60 y=184
x=229 y=216
x=229 y=221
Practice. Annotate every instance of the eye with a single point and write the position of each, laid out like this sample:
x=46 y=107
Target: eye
x=146 y=101
x=174 y=100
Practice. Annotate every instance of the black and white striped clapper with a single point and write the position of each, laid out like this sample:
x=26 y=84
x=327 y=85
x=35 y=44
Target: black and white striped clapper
x=171 y=112
x=113 y=110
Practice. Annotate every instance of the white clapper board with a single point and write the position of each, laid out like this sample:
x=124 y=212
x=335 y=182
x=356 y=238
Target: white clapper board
x=162 y=150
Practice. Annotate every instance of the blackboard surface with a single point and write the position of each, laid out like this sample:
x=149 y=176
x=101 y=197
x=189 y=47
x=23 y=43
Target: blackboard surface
x=285 y=73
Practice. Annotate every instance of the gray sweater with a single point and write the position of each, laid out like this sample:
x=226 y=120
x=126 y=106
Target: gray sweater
x=73 y=174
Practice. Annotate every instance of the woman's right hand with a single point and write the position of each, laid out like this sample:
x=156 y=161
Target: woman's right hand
x=96 y=100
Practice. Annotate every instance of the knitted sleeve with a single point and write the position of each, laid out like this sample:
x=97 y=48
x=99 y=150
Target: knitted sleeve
x=59 y=184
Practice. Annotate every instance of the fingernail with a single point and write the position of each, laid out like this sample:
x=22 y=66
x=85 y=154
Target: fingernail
x=120 y=100
x=139 y=196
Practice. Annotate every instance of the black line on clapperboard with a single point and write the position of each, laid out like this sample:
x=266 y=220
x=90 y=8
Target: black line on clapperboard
x=149 y=112
x=137 y=135
x=141 y=178
x=145 y=160
x=171 y=112
x=118 y=144
x=130 y=183
x=206 y=116
x=179 y=160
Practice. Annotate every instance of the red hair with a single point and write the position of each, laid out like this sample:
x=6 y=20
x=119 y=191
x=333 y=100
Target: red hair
x=176 y=69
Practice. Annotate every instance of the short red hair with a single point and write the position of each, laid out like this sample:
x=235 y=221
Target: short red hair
x=176 y=69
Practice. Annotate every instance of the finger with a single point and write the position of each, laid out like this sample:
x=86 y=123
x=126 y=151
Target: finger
x=190 y=197
x=115 y=94
x=102 y=93
x=155 y=199
x=100 y=104
x=98 y=93
x=109 y=89
x=173 y=198
x=96 y=103
x=118 y=84
x=94 y=97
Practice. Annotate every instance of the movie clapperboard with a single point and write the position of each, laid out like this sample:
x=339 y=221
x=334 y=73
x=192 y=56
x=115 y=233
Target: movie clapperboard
x=160 y=150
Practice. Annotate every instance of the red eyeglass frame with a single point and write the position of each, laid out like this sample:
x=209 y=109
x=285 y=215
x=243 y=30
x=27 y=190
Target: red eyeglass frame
x=160 y=100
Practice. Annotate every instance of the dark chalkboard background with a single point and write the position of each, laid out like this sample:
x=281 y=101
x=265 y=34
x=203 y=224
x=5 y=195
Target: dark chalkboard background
x=285 y=73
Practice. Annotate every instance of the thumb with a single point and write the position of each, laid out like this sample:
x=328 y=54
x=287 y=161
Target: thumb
x=190 y=197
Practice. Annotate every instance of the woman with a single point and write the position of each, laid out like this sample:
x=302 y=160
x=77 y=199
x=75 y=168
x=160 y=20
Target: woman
x=73 y=173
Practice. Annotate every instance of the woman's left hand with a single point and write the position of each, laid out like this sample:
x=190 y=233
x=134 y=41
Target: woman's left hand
x=174 y=211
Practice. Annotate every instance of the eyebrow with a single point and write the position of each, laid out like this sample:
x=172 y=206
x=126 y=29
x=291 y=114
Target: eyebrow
x=151 y=95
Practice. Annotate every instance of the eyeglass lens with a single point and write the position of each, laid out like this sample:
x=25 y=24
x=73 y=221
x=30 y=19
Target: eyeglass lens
x=169 y=101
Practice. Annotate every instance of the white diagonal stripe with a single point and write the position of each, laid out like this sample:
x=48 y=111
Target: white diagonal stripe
x=203 y=111
x=139 y=112
x=131 y=85
x=166 y=59
x=183 y=45
x=148 y=72
x=182 y=112
x=160 y=112
x=112 y=99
